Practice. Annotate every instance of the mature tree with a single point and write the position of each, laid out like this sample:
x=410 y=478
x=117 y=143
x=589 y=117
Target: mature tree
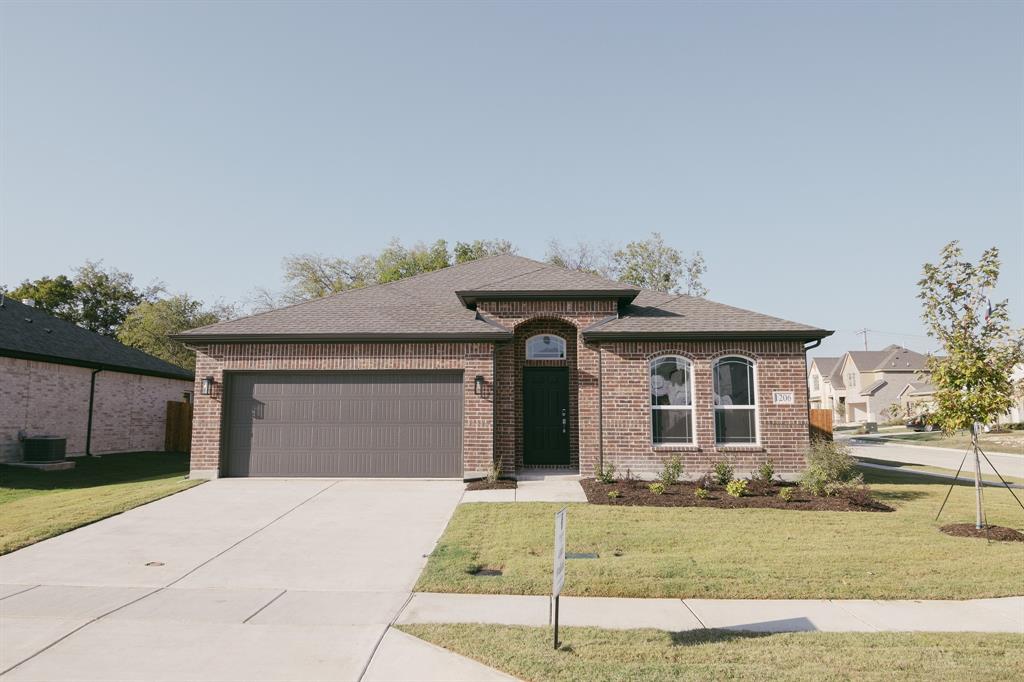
x=106 y=296
x=314 y=276
x=583 y=256
x=653 y=264
x=972 y=378
x=56 y=295
x=148 y=326
x=397 y=261
x=481 y=248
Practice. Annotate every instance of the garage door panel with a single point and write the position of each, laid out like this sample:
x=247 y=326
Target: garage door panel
x=345 y=424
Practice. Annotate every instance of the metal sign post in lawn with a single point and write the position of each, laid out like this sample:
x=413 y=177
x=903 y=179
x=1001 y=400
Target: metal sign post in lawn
x=558 y=577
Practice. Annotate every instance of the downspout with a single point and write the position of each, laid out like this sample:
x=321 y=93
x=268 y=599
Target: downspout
x=495 y=457
x=92 y=397
x=807 y=385
x=600 y=408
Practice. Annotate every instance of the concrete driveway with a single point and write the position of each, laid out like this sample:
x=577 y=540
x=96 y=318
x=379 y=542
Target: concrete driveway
x=232 y=580
x=1008 y=465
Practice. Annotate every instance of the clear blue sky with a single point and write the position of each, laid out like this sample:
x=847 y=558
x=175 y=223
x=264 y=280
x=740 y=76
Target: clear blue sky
x=817 y=153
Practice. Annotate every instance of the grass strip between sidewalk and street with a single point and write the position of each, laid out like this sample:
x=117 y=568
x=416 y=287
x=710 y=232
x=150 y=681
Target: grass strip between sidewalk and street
x=599 y=655
x=693 y=552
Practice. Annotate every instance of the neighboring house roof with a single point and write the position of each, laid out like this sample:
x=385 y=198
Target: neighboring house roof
x=867 y=360
x=439 y=305
x=29 y=333
x=873 y=388
x=826 y=365
x=918 y=388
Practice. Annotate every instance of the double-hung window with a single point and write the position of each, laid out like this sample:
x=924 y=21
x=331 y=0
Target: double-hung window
x=735 y=400
x=671 y=400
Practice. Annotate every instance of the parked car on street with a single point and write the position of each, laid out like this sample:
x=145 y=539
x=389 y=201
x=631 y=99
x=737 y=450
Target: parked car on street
x=922 y=422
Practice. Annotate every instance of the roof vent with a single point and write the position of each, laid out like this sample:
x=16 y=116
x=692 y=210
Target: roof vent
x=29 y=302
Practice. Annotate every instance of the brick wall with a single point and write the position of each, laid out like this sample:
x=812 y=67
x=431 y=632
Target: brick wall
x=566 y=319
x=783 y=429
x=473 y=358
x=44 y=398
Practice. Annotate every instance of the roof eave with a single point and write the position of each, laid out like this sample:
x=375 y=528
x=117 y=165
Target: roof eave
x=496 y=335
x=471 y=296
x=123 y=369
x=789 y=335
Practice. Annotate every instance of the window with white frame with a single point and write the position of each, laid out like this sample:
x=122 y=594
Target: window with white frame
x=545 y=347
x=735 y=400
x=671 y=400
x=817 y=383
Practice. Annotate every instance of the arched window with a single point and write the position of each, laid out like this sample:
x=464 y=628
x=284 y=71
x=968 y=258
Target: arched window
x=545 y=347
x=735 y=400
x=671 y=400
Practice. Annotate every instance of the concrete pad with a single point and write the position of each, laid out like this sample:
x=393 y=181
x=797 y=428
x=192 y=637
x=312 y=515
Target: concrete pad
x=401 y=657
x=356 y=535
x=429 y=607
x=199 y=606
x=776 y=615
x=332 y=608
x=502 y=495
x=67 y=602
x=9 y=590
x=180 y=532
x=1013 y=607
x=930 y=616
x=624 y=614
x=110 y=650
x=23 y=637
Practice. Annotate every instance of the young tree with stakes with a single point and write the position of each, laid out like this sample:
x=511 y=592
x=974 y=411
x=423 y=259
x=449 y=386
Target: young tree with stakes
x=973 y=384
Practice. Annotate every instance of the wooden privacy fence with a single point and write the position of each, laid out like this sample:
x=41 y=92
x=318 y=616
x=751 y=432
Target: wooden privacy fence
x=178 y=433
x=821 y=424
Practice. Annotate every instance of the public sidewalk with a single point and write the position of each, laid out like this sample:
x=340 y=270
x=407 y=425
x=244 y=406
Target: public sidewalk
x=756 y=615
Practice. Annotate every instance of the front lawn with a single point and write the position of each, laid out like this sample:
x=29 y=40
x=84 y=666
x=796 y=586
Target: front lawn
x=611 y=655
x=35 y=505
x=739 y=553
x=1004 y=442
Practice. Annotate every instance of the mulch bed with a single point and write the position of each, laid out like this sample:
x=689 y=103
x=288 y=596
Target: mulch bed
x=967 y=530
x=759 y=495
x=484 y=484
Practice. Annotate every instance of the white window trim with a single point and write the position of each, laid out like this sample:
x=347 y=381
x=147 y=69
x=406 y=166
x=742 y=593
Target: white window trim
x=756 y=407
x=565 y=347
x=693 y=416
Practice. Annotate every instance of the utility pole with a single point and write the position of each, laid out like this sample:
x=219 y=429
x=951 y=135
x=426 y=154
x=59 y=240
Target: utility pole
x=864 y=332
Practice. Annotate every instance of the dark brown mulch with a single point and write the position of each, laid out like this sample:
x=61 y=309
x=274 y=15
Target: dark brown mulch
x=967 y=530
x=484 y=484
x=759 y=495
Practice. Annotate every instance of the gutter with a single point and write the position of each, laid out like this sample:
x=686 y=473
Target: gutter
x=92 y=401
x=186 y=338
x=58 y=360
x=811 y=335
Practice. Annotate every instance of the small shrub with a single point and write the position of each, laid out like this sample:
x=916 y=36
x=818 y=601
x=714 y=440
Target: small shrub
x=494 y=473
x=766 y=472
x=607 y=474
x=658 y=488
x=723 y=472
x=614 y=494
x=701 y=493
x=736 y=488
x=787 y=494
x=829 y=465
x=672 y=470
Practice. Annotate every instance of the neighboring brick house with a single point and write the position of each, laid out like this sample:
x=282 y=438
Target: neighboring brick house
x=503 y=360
x=861 y=386
x=58 y=379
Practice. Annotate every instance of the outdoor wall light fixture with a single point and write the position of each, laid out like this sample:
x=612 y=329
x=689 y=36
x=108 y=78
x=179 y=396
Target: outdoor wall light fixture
x=206 y=388
x=478 y=384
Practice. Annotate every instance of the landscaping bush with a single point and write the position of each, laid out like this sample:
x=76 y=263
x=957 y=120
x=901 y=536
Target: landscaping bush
x=614 y=494
x=766 y=472
x=829 y=468
x=787 y=494
x=701 y=493
x=736 y=488
x=494 y=473
x=607 y=474
x=723 y=472
x=672 y=470
x=658 y=488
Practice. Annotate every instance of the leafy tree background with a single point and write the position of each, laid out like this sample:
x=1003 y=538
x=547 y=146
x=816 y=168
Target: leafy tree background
x=149 y=325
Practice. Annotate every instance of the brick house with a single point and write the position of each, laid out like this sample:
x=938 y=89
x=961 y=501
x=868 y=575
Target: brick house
x=503 y=360
x=58 y=379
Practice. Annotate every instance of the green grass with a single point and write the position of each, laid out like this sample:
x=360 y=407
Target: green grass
x=740 y=553
x=35 y=505
x=1004 y=442
x=599 y=655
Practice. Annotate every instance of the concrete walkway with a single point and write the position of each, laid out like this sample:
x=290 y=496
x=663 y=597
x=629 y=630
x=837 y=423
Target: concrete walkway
x=757 y=615
x=535 y=485
x=237 y=579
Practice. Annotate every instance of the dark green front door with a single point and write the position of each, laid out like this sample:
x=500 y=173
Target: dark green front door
x=545 y=415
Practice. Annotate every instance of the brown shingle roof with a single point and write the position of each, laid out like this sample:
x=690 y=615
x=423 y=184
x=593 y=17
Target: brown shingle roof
x=428 y=306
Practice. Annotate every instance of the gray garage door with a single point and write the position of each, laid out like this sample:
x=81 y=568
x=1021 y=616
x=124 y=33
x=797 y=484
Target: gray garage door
x=344 y=424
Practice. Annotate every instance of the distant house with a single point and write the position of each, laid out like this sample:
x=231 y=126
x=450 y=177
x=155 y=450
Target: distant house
x=860 y=386
x=916 y=397
x=58 y=379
